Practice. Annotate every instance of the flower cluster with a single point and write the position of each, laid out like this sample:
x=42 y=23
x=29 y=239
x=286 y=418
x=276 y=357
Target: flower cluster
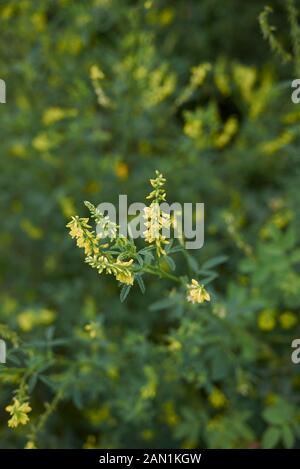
x=105 y=227
x=97 y=253
x=80 y=230
x=120 y=269
x=18 y=412
x=110 y=252
x=155 y=219
x=196 y=293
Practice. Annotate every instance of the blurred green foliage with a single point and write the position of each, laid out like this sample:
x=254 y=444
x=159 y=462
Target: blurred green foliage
x=101 y=93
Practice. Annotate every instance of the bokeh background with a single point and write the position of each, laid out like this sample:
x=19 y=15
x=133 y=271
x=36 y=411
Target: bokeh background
x=100 y=93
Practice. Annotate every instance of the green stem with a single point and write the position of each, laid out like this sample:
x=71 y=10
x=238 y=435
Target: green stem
x=162 y=273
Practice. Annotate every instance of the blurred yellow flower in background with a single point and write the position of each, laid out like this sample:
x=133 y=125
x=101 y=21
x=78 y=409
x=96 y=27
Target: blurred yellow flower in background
x=30 y=445
x=199 y=73
x=31 y=318
x=217 y=398
x=288 y=320
x=122 y=170
x=170 y=415
x=55 y=114
x=266 y=320
x=42 y=142
x=32 y=231
x=67 y=206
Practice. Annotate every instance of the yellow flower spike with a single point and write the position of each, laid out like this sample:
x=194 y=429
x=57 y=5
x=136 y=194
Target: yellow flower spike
x=18 y=412
x=80 y=230
x=155 y=219
x=196 y=293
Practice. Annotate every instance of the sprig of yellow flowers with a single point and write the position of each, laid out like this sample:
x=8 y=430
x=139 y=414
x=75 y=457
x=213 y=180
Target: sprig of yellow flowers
x=19 y=413
x=111 y=253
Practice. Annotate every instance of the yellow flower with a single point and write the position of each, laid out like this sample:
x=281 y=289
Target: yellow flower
x=166 y=16
x=18 y=413
x=124 y=275
x=30 y=445
x=91 y=442
x=113 y=372
x=169 y=414
x=18 y=150
x=147 y=435
x=55 y=114
x=122 y=170
x=199 y=73
x=266 y=320
x=288 y=320
x=156 y=221
x=196 y=293
x=275 y=145
x=76 y=230
x=79 y=229
x=96 y=73
x=193 y=128
x=32 y=231
x=67 y=206
x=217 y=398
x=42 y=142
x=99 y=415
x=30 y=318
x=149 y=390
x=175 y=345
x=39 y=21
x=229 y=130
x=245 y=78
x=94 y=330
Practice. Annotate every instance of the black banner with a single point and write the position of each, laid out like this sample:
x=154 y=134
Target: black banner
x=144 y=458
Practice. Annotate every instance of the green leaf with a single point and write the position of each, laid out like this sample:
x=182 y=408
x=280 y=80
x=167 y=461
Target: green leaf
x=219 y=365
x=169 y=246
x=47 y=381
x=140 y=260
x=209 y=279
x=148 y=256
x=287 y=437
x=141 y=283
x=170 y=262
x=214 y=262
x=206 y=272
x=271 y=437
x=279 y=414
x=12 y=358
x=193 y=264
x=32 y=382
x=176 y=249
x=77 y=399
x=124 y=292
x=162 y=304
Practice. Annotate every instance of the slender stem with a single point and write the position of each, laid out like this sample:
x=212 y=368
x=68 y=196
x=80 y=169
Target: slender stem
x=162 y=273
